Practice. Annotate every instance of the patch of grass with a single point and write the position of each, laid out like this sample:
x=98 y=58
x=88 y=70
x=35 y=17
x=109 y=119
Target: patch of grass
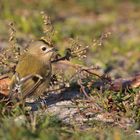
x=86 y=20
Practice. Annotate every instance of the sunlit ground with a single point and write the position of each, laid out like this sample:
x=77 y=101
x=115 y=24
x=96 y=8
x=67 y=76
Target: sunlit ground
x=118 y=55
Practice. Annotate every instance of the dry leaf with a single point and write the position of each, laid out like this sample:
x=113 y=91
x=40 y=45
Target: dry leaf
x=4 y=85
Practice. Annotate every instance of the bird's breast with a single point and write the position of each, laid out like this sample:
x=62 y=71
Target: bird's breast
x=32 y=65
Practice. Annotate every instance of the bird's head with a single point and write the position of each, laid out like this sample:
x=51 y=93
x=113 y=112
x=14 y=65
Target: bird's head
x=41 y=49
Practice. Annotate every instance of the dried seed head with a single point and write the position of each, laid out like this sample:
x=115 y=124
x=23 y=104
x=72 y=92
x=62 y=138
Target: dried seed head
x=48 y=28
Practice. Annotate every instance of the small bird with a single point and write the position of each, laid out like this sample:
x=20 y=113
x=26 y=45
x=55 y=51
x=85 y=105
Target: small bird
x=33 y=71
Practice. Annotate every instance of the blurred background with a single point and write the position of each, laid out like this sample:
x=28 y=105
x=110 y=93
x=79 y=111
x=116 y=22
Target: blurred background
x=118 y=55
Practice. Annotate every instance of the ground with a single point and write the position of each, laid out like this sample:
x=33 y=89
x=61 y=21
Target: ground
x=69 y=114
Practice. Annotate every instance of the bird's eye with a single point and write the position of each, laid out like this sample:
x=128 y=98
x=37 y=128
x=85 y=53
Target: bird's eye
x=43 y=48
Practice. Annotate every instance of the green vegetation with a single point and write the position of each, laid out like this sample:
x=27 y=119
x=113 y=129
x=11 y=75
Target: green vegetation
x=120 y=53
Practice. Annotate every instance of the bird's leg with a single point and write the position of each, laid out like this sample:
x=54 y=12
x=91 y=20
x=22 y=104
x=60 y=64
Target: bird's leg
x=43 y=103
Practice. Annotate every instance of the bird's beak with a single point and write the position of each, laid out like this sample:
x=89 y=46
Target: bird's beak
x=50 y=50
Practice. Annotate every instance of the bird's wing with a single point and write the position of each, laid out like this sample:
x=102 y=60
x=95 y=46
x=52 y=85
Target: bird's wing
x=30 y=86
x=24 y=86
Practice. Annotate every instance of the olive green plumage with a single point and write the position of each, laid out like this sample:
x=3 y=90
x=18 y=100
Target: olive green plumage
x=36 y=61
